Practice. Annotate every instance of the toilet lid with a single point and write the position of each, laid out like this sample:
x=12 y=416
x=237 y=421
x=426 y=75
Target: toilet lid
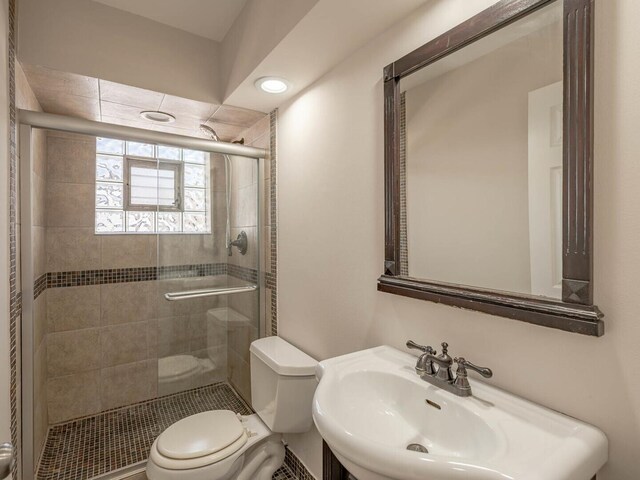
x=199 y=435
x=177 y=366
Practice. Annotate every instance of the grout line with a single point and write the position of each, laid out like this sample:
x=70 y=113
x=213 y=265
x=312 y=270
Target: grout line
x=214 y=112
x=100 y=98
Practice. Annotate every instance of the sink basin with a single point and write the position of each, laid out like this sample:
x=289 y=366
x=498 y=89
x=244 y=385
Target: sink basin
x=370 y=406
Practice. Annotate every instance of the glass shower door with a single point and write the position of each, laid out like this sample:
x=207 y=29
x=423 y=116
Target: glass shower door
x=208 y=296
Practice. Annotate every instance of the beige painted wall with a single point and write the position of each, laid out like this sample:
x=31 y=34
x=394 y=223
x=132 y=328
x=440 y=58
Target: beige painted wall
x=92 y=39
x=468 y=165
x=331 y=227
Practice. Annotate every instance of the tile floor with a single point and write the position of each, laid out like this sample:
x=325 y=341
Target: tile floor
x=90 y=447
x=284 y=473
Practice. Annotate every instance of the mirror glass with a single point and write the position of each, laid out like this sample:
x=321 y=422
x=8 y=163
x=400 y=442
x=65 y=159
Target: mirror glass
x=481 y=161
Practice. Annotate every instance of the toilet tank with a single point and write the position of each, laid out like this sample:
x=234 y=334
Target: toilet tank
x=283 y=382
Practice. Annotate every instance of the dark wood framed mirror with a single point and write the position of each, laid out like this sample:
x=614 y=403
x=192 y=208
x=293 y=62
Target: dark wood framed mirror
x=564 y=303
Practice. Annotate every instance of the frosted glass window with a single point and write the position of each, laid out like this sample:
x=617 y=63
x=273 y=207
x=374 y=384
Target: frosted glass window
x=140 y=149
x=169 y=222
x=169 y=153
x=194 y=175
x=109 y=168
x=109 y=145
x=109 y=195
x=142 y=188
x=141 y=222
x=109 y=221
x=195 y=156
x=195 y=222
x=194 y=199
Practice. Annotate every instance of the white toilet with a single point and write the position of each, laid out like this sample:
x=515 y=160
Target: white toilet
x=220 y=445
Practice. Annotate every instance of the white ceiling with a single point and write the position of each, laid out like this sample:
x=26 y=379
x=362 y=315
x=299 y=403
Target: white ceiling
x=329 y=33
x=206 y=18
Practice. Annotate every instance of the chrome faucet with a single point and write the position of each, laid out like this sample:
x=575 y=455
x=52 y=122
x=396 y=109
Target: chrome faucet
x=442 y=376
x=425 y=364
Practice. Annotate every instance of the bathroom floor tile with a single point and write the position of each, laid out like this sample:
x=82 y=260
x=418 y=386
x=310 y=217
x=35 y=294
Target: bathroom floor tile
x=93 y=446
x=284 y=473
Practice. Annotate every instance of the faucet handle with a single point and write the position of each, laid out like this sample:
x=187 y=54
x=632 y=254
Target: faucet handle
x=464 y=364
x=422 y=348
x=424 y=366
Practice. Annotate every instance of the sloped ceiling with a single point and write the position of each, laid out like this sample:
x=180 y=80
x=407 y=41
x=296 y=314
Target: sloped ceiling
x=206 y=18
x=300 y=40
x=329 y=33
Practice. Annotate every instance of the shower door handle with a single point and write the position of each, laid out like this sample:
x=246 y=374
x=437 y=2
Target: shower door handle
x=208 y=292
x=6 y=459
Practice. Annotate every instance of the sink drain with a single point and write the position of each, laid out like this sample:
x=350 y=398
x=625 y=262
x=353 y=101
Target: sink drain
x=416 y=447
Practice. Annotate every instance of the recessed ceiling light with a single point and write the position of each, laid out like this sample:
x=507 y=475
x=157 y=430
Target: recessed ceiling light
x=272 y=84
x=158 y=117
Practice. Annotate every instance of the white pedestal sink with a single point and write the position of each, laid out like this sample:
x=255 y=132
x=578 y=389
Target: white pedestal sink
x=370 y=406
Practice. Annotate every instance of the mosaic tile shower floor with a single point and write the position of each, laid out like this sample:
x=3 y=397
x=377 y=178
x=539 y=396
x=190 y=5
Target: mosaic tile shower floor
x=94 y=446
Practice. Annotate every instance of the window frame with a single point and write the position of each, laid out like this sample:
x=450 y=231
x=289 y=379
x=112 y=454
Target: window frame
x=157 y=164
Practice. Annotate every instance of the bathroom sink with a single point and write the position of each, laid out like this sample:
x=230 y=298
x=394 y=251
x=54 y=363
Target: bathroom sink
x=370 y=406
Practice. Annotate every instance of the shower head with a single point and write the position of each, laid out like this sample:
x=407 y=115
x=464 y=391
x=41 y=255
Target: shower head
x=207 y=130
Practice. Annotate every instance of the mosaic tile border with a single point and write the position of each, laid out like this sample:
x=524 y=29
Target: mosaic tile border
x=404 y=249
x=139 y=274
x=243 y=273
x=271 y=279
x=40 y=285
x=132 y=274
x=15 y=298
x=15 y=316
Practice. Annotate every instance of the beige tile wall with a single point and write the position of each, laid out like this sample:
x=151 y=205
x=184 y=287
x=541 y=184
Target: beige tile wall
x=244 y=191
x=25 y=99
x=104 y=341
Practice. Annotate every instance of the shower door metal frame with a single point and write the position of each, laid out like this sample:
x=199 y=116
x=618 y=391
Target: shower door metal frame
x=260 y=258
x=28 y=120
x=27 y=280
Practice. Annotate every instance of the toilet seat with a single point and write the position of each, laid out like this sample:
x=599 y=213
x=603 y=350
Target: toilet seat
x=199 y=440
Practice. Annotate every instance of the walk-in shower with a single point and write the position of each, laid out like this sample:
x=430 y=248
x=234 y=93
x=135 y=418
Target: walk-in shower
x=149 y=311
